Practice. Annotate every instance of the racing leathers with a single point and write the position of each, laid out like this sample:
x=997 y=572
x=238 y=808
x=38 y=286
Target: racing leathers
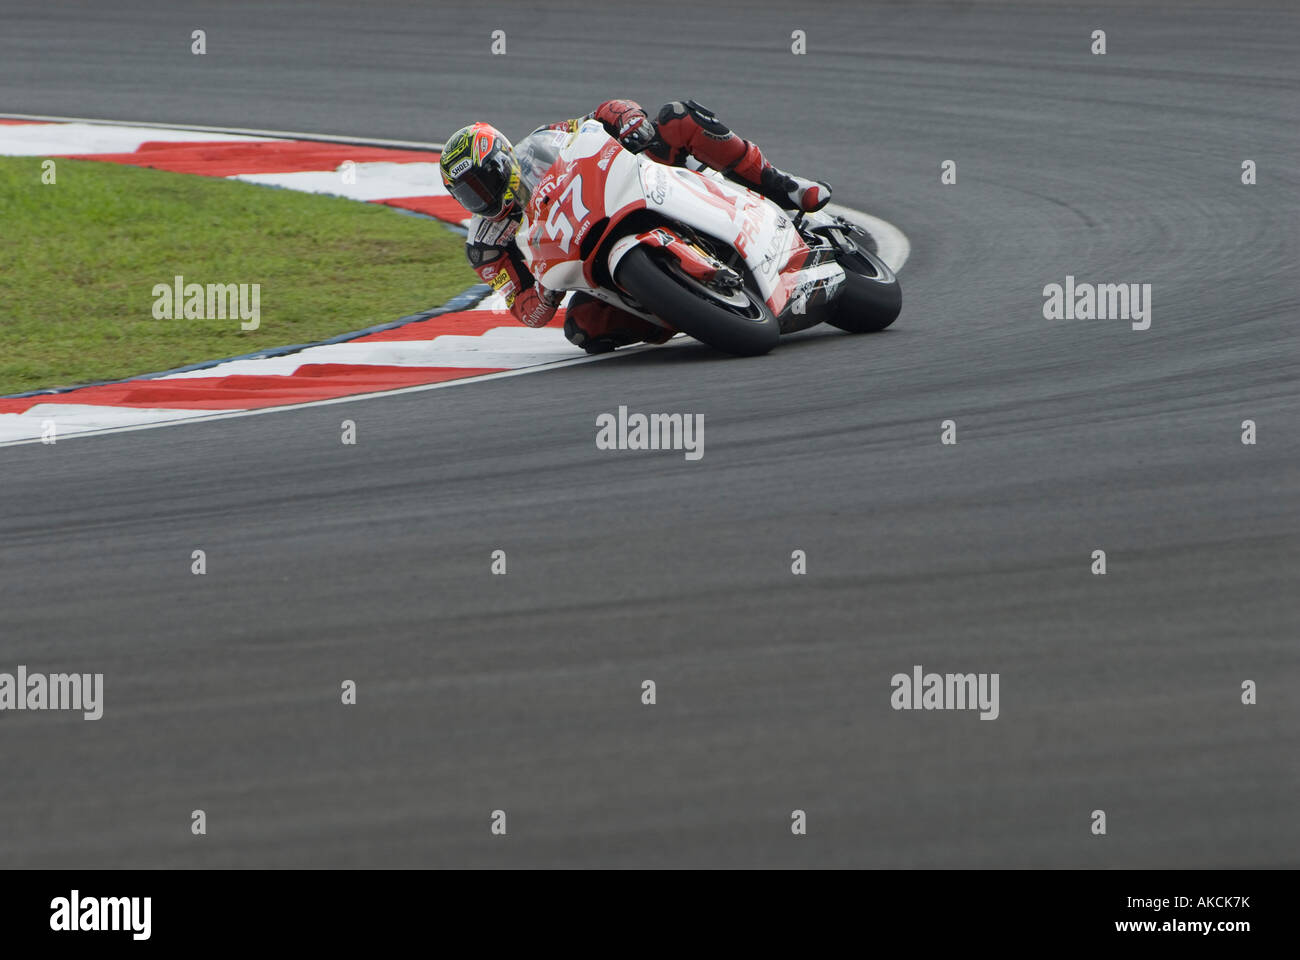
x=682 y=131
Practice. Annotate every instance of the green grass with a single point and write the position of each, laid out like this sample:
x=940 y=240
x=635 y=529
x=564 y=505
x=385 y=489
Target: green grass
x=79 y=259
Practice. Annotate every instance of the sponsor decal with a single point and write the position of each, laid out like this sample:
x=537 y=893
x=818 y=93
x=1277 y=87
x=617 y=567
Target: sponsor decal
x=804 y=291
x=776 y=246
x=459 y=167
x=492 y=232
x=658 y=189
x=749 y=229
x=502 y=282
x=542 y=193
x=606 y=156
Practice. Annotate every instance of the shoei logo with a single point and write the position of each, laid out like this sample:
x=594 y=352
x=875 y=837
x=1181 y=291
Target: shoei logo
x=459 y=167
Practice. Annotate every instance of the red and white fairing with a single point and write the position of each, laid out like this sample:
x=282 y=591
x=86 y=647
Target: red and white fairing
x=594 y=179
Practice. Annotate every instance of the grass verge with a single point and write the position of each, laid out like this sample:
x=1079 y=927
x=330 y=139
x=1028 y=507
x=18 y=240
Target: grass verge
x=79 y=259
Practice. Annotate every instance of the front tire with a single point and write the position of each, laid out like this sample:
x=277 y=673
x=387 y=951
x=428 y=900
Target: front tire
x=871 y=298
x=736 y=322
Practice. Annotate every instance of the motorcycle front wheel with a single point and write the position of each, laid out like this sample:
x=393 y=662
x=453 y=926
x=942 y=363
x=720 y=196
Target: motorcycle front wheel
x=733 y=321
x=870 y=299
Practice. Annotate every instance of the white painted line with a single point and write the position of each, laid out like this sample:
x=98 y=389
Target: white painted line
x=77 y=419
x=56 y=139
x=506 y=347
x=374 y=181
x=231 y=414
x=275 y=134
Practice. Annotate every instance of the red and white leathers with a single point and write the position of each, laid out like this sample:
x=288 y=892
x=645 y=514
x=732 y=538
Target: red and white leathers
x=682 y=131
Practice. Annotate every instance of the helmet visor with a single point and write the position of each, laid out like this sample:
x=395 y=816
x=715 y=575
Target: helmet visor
x=481 y=190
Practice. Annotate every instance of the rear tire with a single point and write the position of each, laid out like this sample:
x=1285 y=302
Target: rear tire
x=744 y=326
x=871 y=298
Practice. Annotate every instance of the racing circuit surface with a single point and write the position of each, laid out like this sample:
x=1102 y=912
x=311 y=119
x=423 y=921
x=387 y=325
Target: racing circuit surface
x=523 y=692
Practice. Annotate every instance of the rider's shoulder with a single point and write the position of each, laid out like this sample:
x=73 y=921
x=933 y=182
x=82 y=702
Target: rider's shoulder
x=483 y=232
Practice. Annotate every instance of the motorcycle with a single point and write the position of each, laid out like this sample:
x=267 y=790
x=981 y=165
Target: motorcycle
x=690 y=251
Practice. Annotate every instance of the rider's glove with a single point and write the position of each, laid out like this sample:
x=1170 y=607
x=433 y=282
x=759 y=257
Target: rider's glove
x=626 y=122
x=536 y=306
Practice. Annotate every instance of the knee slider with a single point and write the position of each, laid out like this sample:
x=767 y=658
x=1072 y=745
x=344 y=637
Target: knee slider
x=674 y=110
x=705 y=118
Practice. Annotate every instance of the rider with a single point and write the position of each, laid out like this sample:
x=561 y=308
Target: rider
x=480 y=170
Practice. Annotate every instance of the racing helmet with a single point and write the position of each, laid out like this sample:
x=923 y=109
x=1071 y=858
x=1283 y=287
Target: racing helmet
x=480 y=171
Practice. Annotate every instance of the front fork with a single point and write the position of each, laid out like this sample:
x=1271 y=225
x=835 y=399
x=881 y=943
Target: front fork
x=696 y=263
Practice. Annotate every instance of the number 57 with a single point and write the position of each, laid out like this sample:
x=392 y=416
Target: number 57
x=560 y=227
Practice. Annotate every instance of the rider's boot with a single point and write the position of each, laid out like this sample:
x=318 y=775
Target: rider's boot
x=786 y=191
x=791 y=192
x=599 y=327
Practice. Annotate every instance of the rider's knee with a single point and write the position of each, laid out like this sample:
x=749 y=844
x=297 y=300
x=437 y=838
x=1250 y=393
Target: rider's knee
x=699 y=115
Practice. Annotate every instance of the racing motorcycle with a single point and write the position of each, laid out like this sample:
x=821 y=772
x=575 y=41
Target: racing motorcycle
x=689 y=250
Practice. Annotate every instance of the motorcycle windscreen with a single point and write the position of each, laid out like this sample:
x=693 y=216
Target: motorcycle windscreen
x=536 y=153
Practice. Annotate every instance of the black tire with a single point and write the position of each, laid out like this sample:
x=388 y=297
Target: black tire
x=745 y=330
x=871 y=298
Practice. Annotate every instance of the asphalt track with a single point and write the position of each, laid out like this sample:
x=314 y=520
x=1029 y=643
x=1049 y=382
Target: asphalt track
x=522 y=693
